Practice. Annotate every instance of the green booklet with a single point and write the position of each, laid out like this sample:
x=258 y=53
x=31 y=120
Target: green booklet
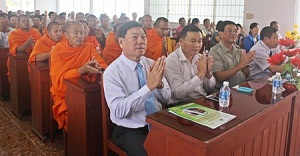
x=202 y=115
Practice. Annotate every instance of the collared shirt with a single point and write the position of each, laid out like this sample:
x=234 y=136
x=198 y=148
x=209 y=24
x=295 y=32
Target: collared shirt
x=181 y=76
x=225 y=60
x=259 y=65
x=125 y=98
x=106 y=30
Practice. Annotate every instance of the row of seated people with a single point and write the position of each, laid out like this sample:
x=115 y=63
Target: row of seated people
x=136 y=84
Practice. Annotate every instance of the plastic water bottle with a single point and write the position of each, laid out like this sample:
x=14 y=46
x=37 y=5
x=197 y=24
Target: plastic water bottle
x=277 y=88
x=224 y=95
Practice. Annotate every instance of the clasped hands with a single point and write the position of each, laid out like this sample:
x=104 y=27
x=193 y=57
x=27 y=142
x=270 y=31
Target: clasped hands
x=204 y=65
x=246 y=58
x=90 y=67
x=156 y=73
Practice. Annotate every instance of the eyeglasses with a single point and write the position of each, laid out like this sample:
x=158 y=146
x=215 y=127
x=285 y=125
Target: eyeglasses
x=163 y=29
x=230 y=31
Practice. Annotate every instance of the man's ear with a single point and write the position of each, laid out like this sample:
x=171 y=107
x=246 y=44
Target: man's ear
x=121 y=42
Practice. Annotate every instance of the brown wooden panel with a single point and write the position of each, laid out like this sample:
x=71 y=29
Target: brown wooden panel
x=84 y=117
x=249 y=148
x=239 y=151
x=20 y=94
x=40 y=91
x=4 y=84
x=257 y=144
x=265 y=142
x=294 y=137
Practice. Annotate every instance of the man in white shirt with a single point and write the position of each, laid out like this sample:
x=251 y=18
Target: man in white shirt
x=134 y=84
x=187 y=71
x=259 y=66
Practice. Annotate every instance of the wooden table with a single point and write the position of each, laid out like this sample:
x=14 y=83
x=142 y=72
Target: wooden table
x=4 y=84
x=40 y=98
x=84 y=117
x=260 y=128
x=20 y=94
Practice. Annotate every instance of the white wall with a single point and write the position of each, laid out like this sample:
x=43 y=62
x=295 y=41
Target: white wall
x=3 y=5
x=46 y=5
x=265 y=11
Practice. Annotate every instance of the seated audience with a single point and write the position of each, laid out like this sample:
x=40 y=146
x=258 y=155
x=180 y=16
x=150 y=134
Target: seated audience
x=147 y=23
x=252 y=38
x=188 y=72
x=71 y=59
x=207 y=27
x=134 y=86
x=230 y=64
x=182 y=24
x=275 y=24
x=259 y=66
x=215 y=39
x=4 y=30
x=42 y=48
x=159 y=44
x=241 y=35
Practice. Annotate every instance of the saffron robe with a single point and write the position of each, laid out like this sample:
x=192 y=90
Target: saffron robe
x=65 y=60
x=112 y=49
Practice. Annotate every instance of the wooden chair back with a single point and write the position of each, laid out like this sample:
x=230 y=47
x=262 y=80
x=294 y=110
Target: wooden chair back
x=108 y=144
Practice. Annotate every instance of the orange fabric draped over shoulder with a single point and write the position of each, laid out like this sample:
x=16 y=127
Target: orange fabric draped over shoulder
x=18 y=37
x=155 y=45
x=93 y=40
x=112 y=48
x=43 y=45
x=65 y=60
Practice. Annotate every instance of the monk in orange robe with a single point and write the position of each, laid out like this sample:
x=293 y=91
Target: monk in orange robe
x=112 y=49
x=147 y=23
x=68 y=60
x=21 y=41
x=159 y=43
x=90 y=39
x=42 y=48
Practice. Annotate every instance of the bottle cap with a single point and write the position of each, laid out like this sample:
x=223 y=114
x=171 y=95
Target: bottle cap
x=278 y=73
x=225 y=83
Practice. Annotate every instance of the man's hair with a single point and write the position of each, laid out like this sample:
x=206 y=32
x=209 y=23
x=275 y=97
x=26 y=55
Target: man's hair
x=83 y=21
x=4 y=15
x=126 y=26
x=206 y=19
x=182 y=18
x=90 y=16
x=189 y=28
x=159 y=19
x=62 y=14
x=219 y=25
x=147 y=15
x=224 y=24
x=195 y=20
x=267 y=32
x=37 y=16
x=273 y=22
x=13 y=15
x=79 y=13
x=50 y=13
x=239 y=25
x=102 y=16
x=50 y=25
x=23 y=15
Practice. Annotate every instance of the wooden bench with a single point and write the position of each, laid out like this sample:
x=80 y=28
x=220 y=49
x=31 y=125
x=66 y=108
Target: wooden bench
x=40 y=98
x=4 y=84
x=20 y=94
x=84 y=135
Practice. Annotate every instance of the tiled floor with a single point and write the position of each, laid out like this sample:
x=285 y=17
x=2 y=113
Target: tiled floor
x=17 y=139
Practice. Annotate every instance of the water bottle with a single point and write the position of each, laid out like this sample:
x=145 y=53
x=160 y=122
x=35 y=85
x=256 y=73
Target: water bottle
x=224 y=95
x=277 y=88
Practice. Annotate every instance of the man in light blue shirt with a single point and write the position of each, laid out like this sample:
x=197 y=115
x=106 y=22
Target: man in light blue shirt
x=259 y=66
x=127 y=99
